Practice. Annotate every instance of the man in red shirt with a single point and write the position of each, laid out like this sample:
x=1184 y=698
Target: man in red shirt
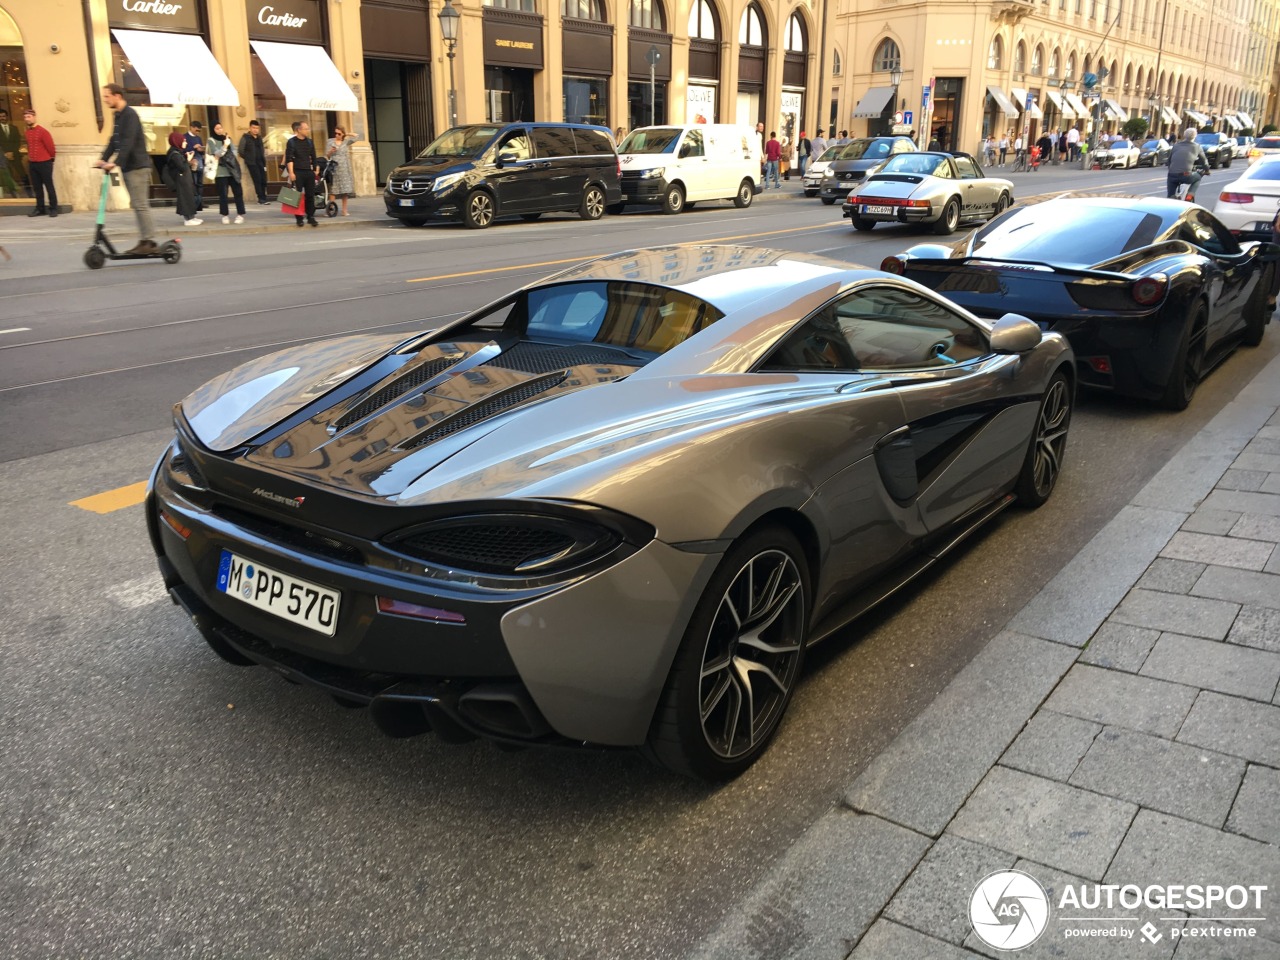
x=40 y=154
x=772 y=154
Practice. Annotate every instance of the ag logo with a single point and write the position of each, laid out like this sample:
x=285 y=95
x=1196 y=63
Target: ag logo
x=1009 y=910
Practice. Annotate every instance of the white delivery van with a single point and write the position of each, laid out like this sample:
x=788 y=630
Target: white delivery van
x=676 y=166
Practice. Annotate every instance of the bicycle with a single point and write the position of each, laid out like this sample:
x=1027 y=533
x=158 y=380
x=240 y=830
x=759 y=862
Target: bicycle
x=1020 y=163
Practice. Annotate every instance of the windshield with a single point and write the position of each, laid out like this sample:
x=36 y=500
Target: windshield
x=1151 y=145
x=1051 y=232
x=919 y=163
x=831 y=153
x=652 y=140
x=460 y=142
x=1267 y=143
x=865 y=149
x=634 y=316
x=1209 y=139
x=1121 y=145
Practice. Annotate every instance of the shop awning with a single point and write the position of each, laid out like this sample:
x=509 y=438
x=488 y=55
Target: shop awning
x=1002 y=101
x=1063 y=108
x=1020 y=100
x=1114 y=110
x=873 y=102
x=1199 y=118
x=1246 y=120
x=1169 y=116
x=177 y=68
x=1077 y=105
x=1232 y=121
x=306 y=75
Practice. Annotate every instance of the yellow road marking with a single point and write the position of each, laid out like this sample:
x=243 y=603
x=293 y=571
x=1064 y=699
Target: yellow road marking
x=113 y=500
x=519 y=266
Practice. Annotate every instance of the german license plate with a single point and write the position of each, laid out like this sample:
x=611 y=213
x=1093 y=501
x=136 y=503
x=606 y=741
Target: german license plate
x=406 y=203
x=289 y=598
x=867 y=208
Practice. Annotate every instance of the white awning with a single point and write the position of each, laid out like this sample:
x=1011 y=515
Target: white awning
x=1020 y=98
x=177 y=68
x=1199 y=118
x=306 y=75
x=1056 y=99
x=1169 y=116
x=1077 y=105
x=1246 y=120
x=1232 y=121
x=1002 y=101
x=1115 y=111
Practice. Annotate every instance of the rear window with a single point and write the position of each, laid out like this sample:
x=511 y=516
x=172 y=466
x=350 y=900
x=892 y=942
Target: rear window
x=1263 y=171
x=1267 y=143
x=920 y=163
x=1077 y=234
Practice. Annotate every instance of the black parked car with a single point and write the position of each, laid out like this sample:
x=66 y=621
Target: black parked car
x=1152 y=293
x=1154 y=153
x=853 y=162
x=1217 y=147
x=481 y=172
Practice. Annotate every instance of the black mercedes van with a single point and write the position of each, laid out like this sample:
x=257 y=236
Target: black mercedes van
x=483 y=171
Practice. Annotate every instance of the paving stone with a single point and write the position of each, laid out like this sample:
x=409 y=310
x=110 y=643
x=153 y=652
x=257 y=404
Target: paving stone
x=823 y=894
x=1266 y=504
x=1075 y=603
x=1242 y=728
x=1273 y=565
x=1257 y=627
x=1269 y=432
x=1223 y=551
x=892 y=941
x=1046 y=821
x=1167 y=611
x=1257 y=461
x=1169 y=576
x=1257 y=809
x=1242 y=480
x=1191 y=947
x=1240 y=586
x=1122 y=699
x=935 y=898
x=1160 y=848
x=1225 y=667
x=1051 y=745
x=1264 y=445
x=1271 y=484
x=1210 y=521
x=1120 y=646
x=1257 y=528
x=1162 y=775
x=923 y=777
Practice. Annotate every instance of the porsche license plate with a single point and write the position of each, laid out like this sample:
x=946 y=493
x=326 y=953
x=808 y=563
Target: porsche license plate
x=406 y=203
x=867 y=208
x=289 y=598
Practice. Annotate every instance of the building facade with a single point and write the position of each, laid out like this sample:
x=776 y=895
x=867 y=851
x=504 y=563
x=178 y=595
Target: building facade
x=971 y=70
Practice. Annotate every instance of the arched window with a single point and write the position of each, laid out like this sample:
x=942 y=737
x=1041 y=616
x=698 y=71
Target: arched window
x=751 y=30
x=1055 y=65
x=1128 y=78
x=648 y=14
x=793 y=41
x=887 y=56
x=1020 y=58
x=1071 y=67
x=1037 y=61
x=582 y=9
x=526 y=6
x=837 y=63
x=995 y=54
x=702 y=21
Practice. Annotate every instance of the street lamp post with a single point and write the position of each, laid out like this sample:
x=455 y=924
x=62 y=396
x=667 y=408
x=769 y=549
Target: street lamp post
x=895 y=76
x=449 y=18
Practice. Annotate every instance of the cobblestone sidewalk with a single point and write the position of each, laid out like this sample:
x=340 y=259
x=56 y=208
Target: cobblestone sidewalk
x=1124 y=729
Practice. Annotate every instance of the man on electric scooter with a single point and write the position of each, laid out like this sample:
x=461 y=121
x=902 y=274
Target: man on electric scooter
x=1187 y=164
x=128 y=146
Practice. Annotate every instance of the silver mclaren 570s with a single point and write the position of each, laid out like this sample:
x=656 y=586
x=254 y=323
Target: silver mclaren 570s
x=611 y=508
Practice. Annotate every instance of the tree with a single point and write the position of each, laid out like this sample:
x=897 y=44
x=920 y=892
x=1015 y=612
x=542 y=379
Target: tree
x=1135 y=128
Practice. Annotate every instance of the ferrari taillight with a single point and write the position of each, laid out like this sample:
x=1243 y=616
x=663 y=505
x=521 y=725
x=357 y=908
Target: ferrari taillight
x=1148 y=290
x=893 y=265
x=1236 y=197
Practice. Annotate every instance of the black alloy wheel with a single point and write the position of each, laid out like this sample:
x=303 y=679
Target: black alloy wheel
x=1188 y=363
x=1002 y=205
x=1048 y=446
x=478 y=210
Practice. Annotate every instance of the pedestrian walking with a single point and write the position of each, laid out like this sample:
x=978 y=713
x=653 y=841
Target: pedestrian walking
x=127 y=149
x=193 y=143
x=176 y=174
x=228 y=175
x=772 y=155
x=11 y=140
x=300 y=167
x=1004 y=148
x=1064 y=146
x=254 y=154
x=343 y=181
x=40 y=154
x=804 y=150
x=1073 y=143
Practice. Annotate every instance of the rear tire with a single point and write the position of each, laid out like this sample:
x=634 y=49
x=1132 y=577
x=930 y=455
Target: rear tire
x=1256 y=312
x=1043 y=464
x=1002 y=205
x=1188 y=363
x=741 y=654
x=863 y=225
x=950 y=219
x=592 y=205
x=673 y=199
x=747 y=192
x=811 y=193
x=828 y=201
x=172 y=252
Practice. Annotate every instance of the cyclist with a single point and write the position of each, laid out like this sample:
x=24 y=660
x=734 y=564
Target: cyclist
x=1187 y=164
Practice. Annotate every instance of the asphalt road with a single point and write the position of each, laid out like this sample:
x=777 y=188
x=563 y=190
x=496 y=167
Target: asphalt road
x=155 y=802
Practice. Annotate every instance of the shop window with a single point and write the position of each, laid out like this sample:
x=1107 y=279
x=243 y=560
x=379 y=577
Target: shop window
x=586 y=100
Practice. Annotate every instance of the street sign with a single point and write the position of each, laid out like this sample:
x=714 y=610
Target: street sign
x=653 y=56
x=1028 y=107
x=925 y=92
x=897 y=118
x=907 y=117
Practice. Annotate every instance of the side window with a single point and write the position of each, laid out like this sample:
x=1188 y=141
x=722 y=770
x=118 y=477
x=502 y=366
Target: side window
x=517 y=143
x=943 y=171
x=692 y=146
x=964 y=166
x=879 y=328
x=1212 y=235
x=553 y=141
x=592 y=143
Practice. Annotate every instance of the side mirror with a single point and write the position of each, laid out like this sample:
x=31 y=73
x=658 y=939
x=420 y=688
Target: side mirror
x=505 y=158
x=1014 y=333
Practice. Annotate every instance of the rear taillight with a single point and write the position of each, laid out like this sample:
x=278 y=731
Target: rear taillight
x=173 y=524
x=853 y=198
x=893 y=265
x=1148 y=290
x=1236 y=197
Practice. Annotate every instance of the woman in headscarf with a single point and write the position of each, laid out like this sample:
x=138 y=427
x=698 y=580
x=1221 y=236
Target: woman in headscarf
x=176 y=174
x=228 y=172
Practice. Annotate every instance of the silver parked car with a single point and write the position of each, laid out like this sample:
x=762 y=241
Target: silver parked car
x=937 y=188
x=613 y=507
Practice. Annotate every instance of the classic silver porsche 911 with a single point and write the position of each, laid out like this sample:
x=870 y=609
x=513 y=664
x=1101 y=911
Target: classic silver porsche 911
x=612 y=507
x=942 y=189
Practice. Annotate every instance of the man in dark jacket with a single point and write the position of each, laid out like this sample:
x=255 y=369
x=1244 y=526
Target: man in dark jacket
x=128 y=146
x=300 y=163
x=255 y=158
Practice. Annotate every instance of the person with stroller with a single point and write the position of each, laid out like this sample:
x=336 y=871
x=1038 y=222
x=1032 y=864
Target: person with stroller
x=176 y=173
x=341 y=178
x=221 y=152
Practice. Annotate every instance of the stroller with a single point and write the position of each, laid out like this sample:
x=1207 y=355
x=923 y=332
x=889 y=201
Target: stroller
x=324 y=187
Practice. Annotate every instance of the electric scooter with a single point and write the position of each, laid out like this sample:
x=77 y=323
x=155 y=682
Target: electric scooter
x=103 y=249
